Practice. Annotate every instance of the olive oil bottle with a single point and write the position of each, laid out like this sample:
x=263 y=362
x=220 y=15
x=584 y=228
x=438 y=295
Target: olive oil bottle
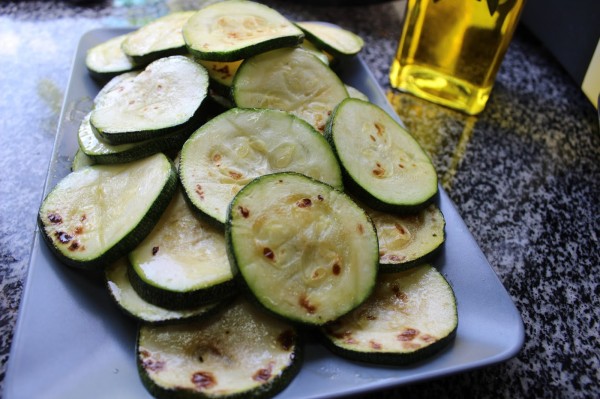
x=450 y=50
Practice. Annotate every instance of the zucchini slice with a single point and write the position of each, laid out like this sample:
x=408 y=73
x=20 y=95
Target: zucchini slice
x=160 y=38
x=233 y=30
x=383 y=164
x=163 y=98
x=411 y=315
x=134 y=306
x=292 y=80
x=332 y=39
x=406 y=241
x=107 y=59
x=235 y=147
x=104 y=153
x=99 y=213
x=239 y=353
x=183 y=262
x=304 y=249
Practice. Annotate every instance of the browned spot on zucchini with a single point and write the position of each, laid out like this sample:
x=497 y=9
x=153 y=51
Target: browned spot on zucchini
x=244 y=211
x=360 y=228
x=268 y=253
x=399 y=294
x=204 y=379
x=200 y=191
x=223 y=70
x=286 y=339
x=155 y=250
x=55 y=218
x=153 y=365
x=78 y=229
x=400 y=228
x=375 y=345
x=378 y=171
x=217 y=159
x=264 y=374
x=304 y=203
x=336 y=269
x=305 y=303
x=401 y=166
x=407 y=335
x=396 y=258
x=63 y=237
x=411 y=345
x=380 y=128
x=83 y=217
x=320 y=197
x=235 y=175
x=372 y=137
x=74 y=246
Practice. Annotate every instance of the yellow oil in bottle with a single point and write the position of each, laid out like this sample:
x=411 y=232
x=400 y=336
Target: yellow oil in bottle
x=450 y=50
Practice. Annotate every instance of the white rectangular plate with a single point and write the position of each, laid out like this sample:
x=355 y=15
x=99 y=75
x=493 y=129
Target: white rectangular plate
x=71 y=341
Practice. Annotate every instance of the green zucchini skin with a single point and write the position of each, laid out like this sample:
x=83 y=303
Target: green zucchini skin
x=358 y=189
x=268 y=389
x=125 y=244
x=180 y=300
x=134 y=307
x=411 y=316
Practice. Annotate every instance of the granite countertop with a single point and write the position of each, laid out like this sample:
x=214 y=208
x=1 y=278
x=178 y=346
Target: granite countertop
x=524 y=176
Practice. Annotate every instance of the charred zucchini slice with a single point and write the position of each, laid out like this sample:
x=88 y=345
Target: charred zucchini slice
x=239 y=353
x=99 y=213
x=235 y=147
x=332 y=39
x=411 y=315
x=406 y=241
x=107 y=60
x=305 y=250
x=160 y=38
x=292 y=80
x=160 y=100
x=233 y=30
x=135 y=307
x=183 y=262
x=383 y=164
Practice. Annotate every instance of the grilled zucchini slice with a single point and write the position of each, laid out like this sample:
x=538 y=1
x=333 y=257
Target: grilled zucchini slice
x=291 y=80
x=235 y=147
x=99 y=213
x=411 y=315
x=304 y=249
x=183 y=262
x=160 y=38
x=134 y=306
x=406 y=241
x=383 y=164
x=163 y=98
x=107 y=60
x=332 y=39
x=239 y=353
x=233 y=30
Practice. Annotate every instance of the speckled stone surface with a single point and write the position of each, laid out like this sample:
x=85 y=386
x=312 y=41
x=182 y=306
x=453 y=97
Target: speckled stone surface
x=524 y=175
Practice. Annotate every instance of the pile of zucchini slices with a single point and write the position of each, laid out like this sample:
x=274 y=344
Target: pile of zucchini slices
x=235 y=193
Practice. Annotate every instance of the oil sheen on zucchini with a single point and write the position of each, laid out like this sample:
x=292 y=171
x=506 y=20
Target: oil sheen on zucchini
x=239 y=353
x=235 y=147
x=161 y=99
x=411 y=315
x=383 y=164
x=292 y=80
x=99 y=213
x=160 y=38
x=134 y=306
x=305 y=250
x=183 y=262
x=233 y=30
